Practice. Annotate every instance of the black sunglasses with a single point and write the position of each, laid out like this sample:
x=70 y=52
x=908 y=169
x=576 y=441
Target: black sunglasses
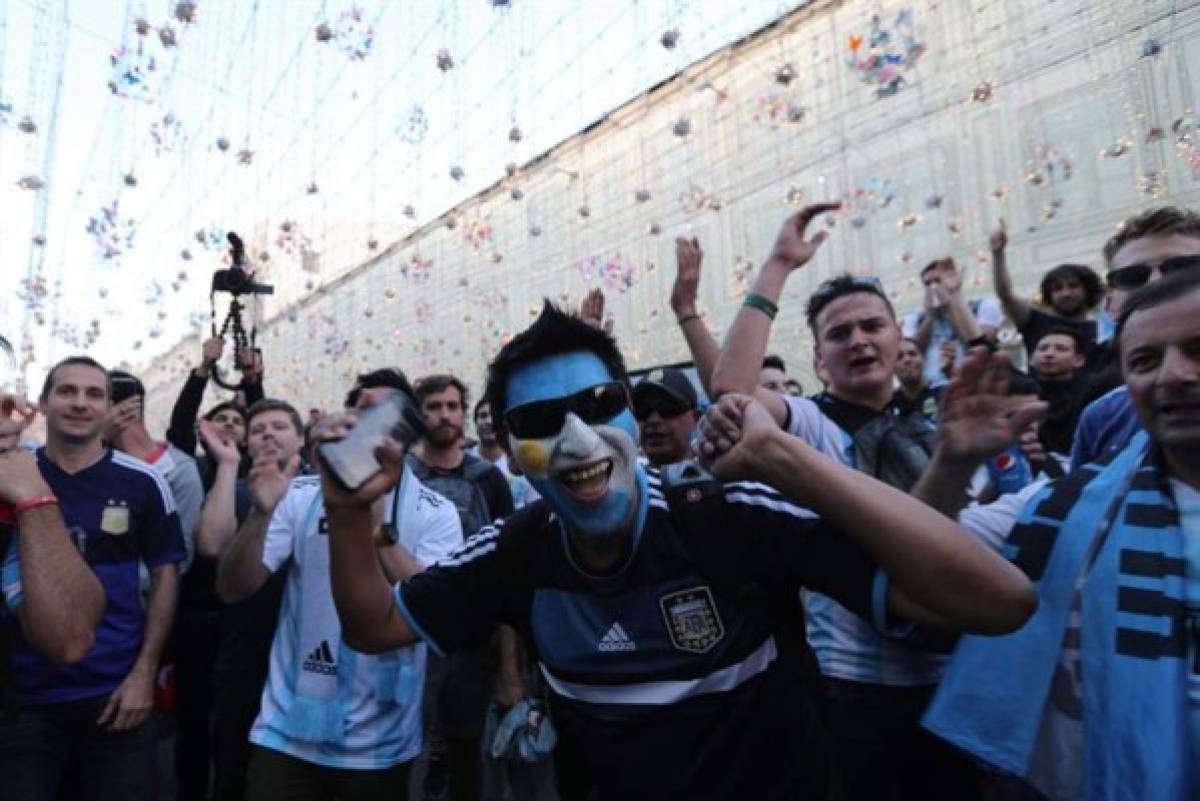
x=665 y=405
x=1136 y=275
x=542 y=419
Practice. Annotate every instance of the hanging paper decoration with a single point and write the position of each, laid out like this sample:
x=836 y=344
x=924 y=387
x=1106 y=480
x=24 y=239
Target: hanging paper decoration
x=445 y=62
x=774 y=109
x=1151 y=47
x=130 y=179
x=31 y=182
x=1117 y=149
x=351 y=34
x=883 y=56
x=682 y=127
x=670 y=38
x=27 y=125
x=862 y=203
x=785 y=74
x=983 y=92
x=457 y=173
x=514 y=134
x=324 y=33
x=292 y=240
x=693 y=199
x=167 y=134
x=642 y=195
x=414 y=127
x=416 y=268
x=477 y=233
x=1049 y=165
x=185 y=11
x=245 y=157
x=6 y=113
x=112 y=233
x=134 y=74
x=740 y=276
x=222 y=143
x=166 y=37
x=1187 y=138
x=614 y=273
x=409 y=212
x=211 y=238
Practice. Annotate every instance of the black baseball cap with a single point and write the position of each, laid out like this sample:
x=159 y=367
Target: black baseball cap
x=670 y=381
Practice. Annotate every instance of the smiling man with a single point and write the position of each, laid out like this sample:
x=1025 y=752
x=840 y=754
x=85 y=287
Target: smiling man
x=1106 y=704
x=653 y=600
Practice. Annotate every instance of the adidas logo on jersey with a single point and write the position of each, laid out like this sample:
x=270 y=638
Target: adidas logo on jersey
x=321 y=660
x=615 y=639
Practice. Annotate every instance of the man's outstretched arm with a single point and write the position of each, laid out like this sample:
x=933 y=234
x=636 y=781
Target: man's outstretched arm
x=939 y=574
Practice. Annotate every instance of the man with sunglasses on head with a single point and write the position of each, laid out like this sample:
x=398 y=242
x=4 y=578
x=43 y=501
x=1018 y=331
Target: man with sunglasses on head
x=666 y=408
x=1147 y=247
x=651 y=598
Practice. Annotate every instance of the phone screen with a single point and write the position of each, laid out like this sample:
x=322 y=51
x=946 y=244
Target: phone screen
x=123 y=388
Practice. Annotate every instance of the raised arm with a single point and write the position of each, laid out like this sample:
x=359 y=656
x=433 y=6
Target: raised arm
x=939 y=574
x=742 y=354
x=218 y=516
x=1015 y=307
x=181 y=432
x=700 y=341
x=241 y=570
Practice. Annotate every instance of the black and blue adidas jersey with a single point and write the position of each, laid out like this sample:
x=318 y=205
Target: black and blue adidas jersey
x=666 y=677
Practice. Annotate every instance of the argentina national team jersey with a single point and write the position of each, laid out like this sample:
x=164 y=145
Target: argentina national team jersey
x=120 y=513
x=846 y=646
x=667 y=677
x=378 y=726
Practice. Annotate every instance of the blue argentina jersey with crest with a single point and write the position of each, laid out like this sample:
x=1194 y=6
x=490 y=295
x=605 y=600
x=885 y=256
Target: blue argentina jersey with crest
x=667 y=677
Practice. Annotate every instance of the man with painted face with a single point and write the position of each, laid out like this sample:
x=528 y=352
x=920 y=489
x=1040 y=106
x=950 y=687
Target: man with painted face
x=667 y=409
x=653 y=619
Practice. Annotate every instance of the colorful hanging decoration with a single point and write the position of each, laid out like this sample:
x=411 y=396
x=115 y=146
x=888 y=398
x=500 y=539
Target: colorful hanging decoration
x=1187 y=139
x=292 y=240
x=445 y=62
x=682 y=127
x=693 y=199
x=113 y=233
x=775 y=109
x=417 y=268
x=1049 y=165
x=167 y=134
x=134 y=74
x=350 y=33
x=185 y=11
x=884 y=55
x=477 y=233
x=614 y=273
x=413 y=128
x=785 y=74
x=864 y=202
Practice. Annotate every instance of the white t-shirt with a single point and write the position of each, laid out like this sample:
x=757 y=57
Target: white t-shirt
x=987 y=313
x=375 y=735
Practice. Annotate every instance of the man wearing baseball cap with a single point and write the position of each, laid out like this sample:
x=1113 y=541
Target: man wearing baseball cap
x=667 y=409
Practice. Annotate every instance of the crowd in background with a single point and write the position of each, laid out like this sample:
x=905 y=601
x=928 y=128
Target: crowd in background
x=559 y=585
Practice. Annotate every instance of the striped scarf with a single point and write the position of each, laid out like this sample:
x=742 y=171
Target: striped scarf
x=1089 y=699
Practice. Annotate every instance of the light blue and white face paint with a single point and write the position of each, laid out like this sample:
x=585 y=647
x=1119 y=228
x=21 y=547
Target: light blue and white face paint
x=588 y=473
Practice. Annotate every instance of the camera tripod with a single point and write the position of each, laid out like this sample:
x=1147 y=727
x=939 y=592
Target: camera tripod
x=241 y=340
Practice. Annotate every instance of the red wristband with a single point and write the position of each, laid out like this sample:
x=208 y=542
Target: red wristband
x=21 y=507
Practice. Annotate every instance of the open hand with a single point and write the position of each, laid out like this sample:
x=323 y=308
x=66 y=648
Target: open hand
x=688 y=257
x=224 y=451
x=977 y=419
x=124 y=414
x=791 y=249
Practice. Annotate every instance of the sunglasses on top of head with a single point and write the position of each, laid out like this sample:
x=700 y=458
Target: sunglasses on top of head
x=1137 y=275
x=541 y=419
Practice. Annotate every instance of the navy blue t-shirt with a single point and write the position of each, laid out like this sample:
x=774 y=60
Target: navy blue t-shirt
x=667 y=678
x=120 y=513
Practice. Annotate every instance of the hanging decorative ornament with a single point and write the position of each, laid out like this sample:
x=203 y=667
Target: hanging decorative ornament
x=794 y=196
x=414 y=127
x=510 y=169
x=444 y=62
x=514 y=134
x=31 y=182
x=222 y=144
x=1151 y=47
x=670 y=38
x=166 y=37
x=409 y=212
x=693 y=199
x=1187 y=139
x=134 y=74
x=864 y=202
x=312 y=188
x=185 y=12
x=39 y=240
x=908 y=221
x=416 y=268
x=954 y=226
x=785 y=74
x=27 y=125
x=585 y=212
x=1000 y=192
x=130 y=179
x=535 y=230
x=323 y=32
x=1117 y=149
x=113 y=233
x=477 y=233
x=774 y=109
x=1153 y=183
x=352 y=34
x=372 y=243
x=185 y=254
x=6 y=112
x=682 y=127
x=1155 y=134
x=167 y=134
x=245 y=157
x=211 y=238
x=641 y=196
x=292 y=240
x=451 y=222
x=740 y=276
x=888 y=53
x=654 y=229
x=983 y=92
x=515 y=193
x=457 y=173
x=934 y=201
x=141 y=26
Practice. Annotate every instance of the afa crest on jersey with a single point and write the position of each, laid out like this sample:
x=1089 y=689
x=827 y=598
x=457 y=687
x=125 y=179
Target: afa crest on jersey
x=692 y=619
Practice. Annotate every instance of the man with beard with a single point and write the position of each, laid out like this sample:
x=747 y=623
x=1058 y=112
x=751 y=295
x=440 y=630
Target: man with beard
x=649 y=600
x=1070 y=291
x=665 y=406
x=457 y=688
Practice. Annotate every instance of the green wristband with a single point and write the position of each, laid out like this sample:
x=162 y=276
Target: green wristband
x=763 y=304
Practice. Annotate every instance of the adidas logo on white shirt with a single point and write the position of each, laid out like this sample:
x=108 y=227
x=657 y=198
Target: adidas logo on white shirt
x=615 y=639
x=321 y=660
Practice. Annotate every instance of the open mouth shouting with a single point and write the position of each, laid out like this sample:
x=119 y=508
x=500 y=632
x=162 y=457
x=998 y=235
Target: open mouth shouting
x=588 y=482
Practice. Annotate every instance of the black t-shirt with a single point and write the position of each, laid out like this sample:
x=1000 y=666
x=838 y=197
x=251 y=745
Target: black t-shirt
x=665 y=677
x=1039 y=323
x=248 y=626
x=926 y=401
x=477 y=488
x=1057 y=431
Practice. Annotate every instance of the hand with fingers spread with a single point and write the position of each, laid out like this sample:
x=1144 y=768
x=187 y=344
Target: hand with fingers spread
x=130 y=704
x=977 y=419
x=791 y=249
x=223 y=450
x=390 y=454
x=124 y=414
x=269 y=481
x=688 y=257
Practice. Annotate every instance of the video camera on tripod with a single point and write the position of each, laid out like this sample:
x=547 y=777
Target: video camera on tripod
x=237 y=280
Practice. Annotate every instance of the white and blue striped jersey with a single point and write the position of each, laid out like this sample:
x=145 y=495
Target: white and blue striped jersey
x=668 y=677
x=375 y=733
x=846 y=645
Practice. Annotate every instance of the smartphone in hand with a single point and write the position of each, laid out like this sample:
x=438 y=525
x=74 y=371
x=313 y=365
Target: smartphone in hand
x=352 y=458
